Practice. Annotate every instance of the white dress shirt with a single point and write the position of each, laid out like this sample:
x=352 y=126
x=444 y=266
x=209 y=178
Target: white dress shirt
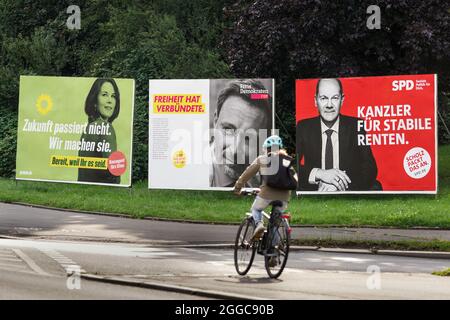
x=335 y=144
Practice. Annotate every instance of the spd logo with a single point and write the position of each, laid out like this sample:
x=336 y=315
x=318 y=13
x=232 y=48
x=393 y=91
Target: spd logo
x=399 y=85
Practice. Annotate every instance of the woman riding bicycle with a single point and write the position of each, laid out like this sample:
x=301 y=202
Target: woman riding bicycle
x=272 y=146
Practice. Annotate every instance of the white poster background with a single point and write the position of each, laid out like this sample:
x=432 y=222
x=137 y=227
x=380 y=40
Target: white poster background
x=187 y=132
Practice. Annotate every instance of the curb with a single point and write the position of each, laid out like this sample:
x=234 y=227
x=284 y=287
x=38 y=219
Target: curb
x=11 y=238
x=399 y=253
x=414 y=254
x=417 y=254
x=168 y=287
x=120 y=215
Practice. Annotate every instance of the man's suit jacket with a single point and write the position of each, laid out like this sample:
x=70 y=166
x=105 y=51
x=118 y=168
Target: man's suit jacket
x=357 y=161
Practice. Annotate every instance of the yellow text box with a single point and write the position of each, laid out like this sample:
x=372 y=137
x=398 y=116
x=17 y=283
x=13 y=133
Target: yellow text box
x=79 y=162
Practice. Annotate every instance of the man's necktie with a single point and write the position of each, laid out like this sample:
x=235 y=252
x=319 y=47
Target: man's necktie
x=329 y=151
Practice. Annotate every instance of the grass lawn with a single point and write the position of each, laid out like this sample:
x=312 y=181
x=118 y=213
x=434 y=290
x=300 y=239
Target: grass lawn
x=443 y=273
x=375 y=245
x=215 y=206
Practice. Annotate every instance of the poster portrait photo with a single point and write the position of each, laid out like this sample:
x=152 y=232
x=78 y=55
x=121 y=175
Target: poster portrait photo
x=241 y=117
x=75 y=130
x=368 y=134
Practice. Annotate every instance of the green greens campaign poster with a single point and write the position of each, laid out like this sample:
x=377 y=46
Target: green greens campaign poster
x=75 y=130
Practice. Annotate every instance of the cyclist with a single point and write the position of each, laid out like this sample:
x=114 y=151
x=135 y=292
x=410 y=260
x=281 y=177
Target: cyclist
x=273 y=145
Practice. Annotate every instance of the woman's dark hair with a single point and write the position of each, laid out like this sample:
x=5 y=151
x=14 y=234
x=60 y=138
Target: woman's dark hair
x=90 y=106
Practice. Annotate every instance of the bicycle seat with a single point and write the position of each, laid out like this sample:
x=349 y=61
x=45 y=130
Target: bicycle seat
x=276 y=203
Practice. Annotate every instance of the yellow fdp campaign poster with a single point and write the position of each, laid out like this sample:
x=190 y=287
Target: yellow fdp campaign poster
x=203 y=133
x=75 y=130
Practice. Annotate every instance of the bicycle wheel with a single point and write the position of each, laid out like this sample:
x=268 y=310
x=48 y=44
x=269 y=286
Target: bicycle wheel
x=275 y=261
x=244 y=248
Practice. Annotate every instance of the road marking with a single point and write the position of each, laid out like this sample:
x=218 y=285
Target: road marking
x=62 y=260
x=10 y=262
x=218 y=263
x=30 y=262
x=206 y=252
x=349 y=259
x=313 y=260
x=11 y=259
x=293 y=270
x=6 y=254
x=14 y=269
x=4 y=265
x=157 y=254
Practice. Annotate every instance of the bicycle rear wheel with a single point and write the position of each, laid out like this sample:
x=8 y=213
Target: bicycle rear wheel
x=277 y=259
x=244 y=247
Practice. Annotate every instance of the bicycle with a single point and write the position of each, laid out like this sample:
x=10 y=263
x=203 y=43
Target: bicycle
x=274 y=243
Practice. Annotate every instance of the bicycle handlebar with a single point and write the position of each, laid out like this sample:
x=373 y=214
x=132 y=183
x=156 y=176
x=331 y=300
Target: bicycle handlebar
x=251 y=192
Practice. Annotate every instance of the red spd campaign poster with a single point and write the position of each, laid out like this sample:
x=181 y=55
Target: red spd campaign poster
x=367 y=134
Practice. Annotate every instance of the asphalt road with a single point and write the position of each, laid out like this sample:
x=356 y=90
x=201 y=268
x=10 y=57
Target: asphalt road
x=26 y=273
x=52 y=243
x=36 y=269
x=24 y=221
x=18 y=285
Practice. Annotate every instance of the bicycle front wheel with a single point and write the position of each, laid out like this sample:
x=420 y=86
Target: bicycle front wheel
x=276 y=258
x=244 y=248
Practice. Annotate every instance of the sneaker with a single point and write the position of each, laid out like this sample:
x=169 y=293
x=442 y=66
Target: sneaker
x=259 y=231
x=273 y=262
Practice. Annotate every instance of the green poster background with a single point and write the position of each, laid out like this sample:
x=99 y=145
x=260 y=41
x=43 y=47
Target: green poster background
x=68 y=95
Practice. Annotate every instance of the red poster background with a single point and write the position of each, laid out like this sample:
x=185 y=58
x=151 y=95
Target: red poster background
x=375 y=91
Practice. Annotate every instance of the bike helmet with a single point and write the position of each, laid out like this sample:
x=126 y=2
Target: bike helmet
x=273 y=141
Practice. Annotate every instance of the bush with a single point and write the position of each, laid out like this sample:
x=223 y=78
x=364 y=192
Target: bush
x=300 y=39
x=122 y=39
x=8 y=138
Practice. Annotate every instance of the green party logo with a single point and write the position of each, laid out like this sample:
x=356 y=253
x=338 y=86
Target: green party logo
x=44 y=104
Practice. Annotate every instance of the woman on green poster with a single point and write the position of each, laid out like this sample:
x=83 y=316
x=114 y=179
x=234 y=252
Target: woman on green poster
x=102 y=107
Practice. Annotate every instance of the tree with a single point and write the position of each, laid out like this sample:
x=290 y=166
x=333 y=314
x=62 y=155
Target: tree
x=293 y=39
x=149 y=46
x=134 y=39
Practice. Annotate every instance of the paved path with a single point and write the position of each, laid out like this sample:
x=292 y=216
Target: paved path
x=18 y=220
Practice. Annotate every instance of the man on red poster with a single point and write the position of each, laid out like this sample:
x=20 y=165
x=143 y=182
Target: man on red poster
x=327 y=147
x=367 y=134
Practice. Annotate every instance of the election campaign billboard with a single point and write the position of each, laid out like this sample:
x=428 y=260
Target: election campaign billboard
x=367 y=134
x=203 y=133
x=75 y=130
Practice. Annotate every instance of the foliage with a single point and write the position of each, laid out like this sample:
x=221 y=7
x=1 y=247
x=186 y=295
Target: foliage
x=8 y=123
x=284 y=39
x=294 y=39
x=130 y=39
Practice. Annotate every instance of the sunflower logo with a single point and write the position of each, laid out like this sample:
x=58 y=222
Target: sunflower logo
x=44 y=104
x=179 y=159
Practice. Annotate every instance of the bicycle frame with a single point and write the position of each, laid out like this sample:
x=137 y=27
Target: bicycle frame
x=262 y=244
x=275 y=252
x=286 y=217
